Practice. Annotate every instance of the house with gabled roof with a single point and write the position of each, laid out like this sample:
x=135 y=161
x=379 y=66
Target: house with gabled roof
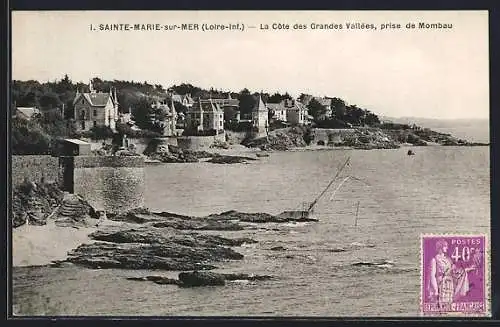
x=326 y=102
x=278 y=111
x=185 y=99
x=95 y=109
x=205 y=115
x=296 y=112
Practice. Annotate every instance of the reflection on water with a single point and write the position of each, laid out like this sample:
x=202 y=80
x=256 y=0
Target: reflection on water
x=329 y=268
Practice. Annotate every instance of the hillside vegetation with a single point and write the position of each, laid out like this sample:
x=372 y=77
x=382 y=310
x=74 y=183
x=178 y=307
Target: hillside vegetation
x=55 y=100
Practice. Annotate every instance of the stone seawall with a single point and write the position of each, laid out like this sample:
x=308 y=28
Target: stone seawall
x=34 y=168
x=140 y=143
x=197 y=143
x=110 y=183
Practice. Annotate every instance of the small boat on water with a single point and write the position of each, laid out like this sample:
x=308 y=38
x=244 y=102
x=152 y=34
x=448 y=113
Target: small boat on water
x=262 y=154
x=410 y=153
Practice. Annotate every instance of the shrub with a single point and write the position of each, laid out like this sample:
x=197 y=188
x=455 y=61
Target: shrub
x=238 y=126
x=97 y=133
x=28 y=138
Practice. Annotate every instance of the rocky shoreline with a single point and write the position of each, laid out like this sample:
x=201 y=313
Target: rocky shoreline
x=361 y=138
x=167 y=241
x=140 y=239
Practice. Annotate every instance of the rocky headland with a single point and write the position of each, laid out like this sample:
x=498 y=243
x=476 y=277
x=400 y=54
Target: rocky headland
x=363 y=138
x=173 y=154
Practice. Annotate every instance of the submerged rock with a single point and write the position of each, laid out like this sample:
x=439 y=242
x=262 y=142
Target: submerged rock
x=200 y=278
x=198 y=224
x=157 y=280
x=218 y=159
x=377 y=263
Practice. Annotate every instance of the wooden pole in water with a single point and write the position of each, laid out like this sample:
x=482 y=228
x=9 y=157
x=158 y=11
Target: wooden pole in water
x=356 y=220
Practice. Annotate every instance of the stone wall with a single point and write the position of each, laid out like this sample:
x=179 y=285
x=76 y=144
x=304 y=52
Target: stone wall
x=140 y=143
x=197 y=143
x=34 y=168
x=110 y=183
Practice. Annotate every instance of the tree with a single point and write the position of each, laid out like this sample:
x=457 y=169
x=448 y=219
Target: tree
x=338 y=108
x=277 y=97
x=179 y=107
x=141 y=113
x=28 y=138
x=371 y=119
x=354 y=115
x=247 y=102
x=50 y=100
x=316 y=109
x=101 y=132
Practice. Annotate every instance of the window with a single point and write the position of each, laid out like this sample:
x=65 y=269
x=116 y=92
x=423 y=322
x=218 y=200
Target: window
x=95 y=123
x=95 y=112
x=220 y=123
x=83 y=101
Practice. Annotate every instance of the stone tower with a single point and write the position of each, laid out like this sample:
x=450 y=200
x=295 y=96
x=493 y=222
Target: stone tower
x=260 y=118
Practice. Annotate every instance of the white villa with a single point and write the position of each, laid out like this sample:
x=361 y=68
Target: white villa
x=95 y=109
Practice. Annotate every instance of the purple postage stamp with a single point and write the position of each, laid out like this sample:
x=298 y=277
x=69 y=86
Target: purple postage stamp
x=454 y=275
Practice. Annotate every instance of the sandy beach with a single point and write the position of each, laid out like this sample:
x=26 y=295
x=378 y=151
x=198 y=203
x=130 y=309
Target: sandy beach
x=40 y=245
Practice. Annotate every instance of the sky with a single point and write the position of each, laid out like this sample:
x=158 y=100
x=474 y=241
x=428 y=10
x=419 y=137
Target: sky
x=432 y=73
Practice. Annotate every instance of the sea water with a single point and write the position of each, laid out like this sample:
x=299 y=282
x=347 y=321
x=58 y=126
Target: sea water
x=318 y=273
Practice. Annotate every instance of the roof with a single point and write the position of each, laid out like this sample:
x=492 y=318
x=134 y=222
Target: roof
x=95 y=99
x=75 y=141
x=177 y=97
x=206 y=105
x=286 y=105
x=275 y=106
x=260 y=105
x=324 y=101
x=227 y=102
x=28 y=111
x=307 y=98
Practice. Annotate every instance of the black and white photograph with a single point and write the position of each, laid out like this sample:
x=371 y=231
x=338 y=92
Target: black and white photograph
x=250 y=163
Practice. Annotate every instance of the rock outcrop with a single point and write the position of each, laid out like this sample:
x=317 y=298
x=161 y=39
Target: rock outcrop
x=148 y=247
x=228 y=221
x=34 y=202
x=74 y=211
x=280 y=140
x=172 y=154
x=259 y=217
x=167 y=241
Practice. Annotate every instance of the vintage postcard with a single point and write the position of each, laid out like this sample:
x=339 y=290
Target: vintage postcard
x=250 y=163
